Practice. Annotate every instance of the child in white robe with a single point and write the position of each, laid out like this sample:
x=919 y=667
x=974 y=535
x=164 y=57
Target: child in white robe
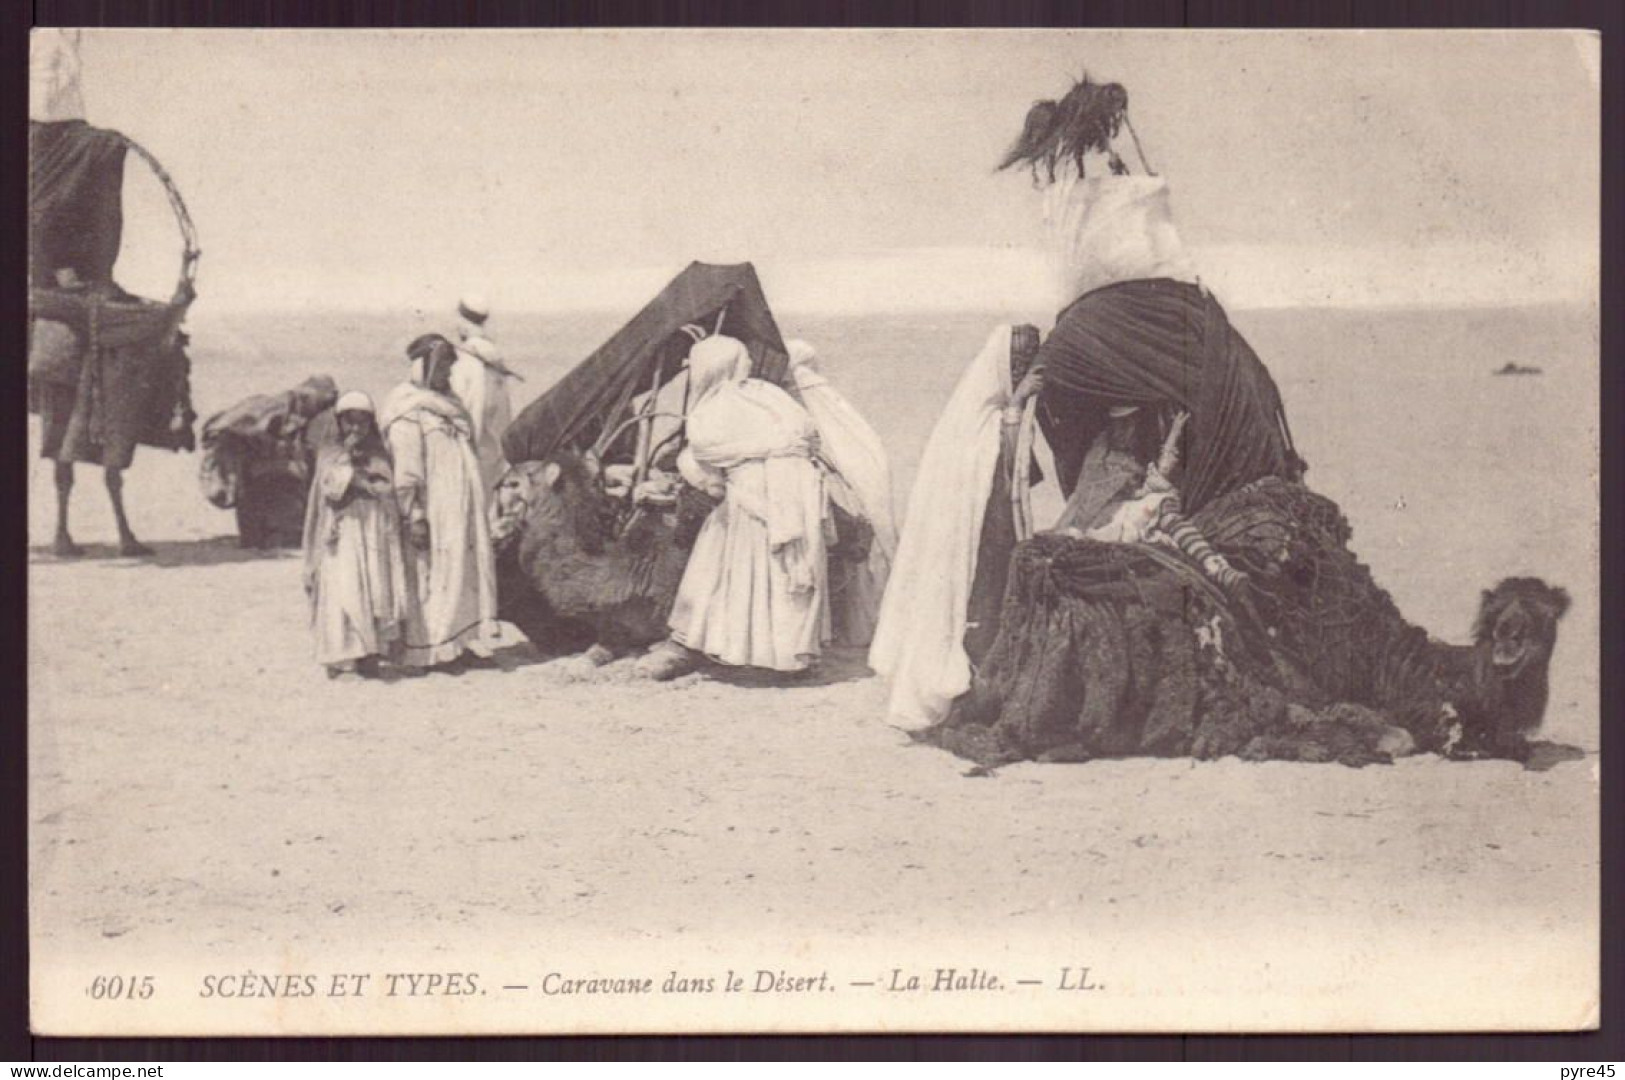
x=355 y=574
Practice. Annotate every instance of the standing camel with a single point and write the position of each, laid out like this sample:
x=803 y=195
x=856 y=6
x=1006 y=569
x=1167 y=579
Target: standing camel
x=63 y=546
x=101 y=393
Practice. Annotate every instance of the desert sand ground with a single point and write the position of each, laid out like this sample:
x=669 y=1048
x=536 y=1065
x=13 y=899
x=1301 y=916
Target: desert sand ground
x=199 y=789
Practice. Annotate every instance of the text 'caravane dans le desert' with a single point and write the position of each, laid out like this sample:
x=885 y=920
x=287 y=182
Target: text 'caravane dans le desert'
x=557 y=984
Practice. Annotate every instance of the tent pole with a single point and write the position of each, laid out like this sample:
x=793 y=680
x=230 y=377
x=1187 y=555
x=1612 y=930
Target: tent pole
x=640 y=471
x=607 y=433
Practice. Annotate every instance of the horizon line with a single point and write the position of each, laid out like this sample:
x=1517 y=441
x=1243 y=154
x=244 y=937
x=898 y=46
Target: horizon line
x=816 y=309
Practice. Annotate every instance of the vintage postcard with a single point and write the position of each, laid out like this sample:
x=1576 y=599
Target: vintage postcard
x=769 y=531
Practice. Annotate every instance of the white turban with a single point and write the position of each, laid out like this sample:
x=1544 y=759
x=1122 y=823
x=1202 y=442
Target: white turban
x=355 y=401
x=803 y=363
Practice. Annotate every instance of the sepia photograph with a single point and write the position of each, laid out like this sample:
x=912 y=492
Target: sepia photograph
x=683 y=531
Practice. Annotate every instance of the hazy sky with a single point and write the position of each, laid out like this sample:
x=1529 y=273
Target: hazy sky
x=852 y=167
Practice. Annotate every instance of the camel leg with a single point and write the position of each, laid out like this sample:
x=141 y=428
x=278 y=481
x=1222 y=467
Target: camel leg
x=127 y=543
x=64 y=545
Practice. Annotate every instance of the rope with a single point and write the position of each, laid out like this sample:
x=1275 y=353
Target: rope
x=1138 y=149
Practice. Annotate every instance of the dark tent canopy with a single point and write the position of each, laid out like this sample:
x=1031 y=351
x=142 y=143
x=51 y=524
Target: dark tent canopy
x=75 y=192
x=649 y=350
x=1165 y=345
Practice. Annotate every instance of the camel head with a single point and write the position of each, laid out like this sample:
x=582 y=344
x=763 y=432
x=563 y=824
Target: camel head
x=1517 y=625
x=514 y=494
x=561 y=495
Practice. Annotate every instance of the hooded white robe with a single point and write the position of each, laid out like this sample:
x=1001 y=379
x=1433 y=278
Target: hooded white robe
x=480 y=381
x=854 y=450
x=437 y=480
x=753 y=591
x=919 y=643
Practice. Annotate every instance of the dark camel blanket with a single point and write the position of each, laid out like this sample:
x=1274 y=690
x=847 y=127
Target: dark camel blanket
x=1108 y=649
x=107 y=376
x=1164 y=345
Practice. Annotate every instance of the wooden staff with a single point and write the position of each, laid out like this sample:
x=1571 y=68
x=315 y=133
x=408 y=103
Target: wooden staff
x=1021 y=492
x=640 y=468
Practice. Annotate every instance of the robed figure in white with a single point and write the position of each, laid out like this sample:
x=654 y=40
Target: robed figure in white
x=753 y=591
x=355 y=568
x=919 y=644
x=479 y=379
x=442 y=502
x=862 y=486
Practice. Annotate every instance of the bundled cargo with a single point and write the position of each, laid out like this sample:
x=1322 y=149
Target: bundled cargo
x=259 y=458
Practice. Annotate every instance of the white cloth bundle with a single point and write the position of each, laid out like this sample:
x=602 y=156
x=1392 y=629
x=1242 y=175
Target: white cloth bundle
x=54 y=89
x=1107 y=229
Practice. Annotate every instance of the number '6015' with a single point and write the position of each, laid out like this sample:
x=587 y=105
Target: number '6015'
x=120 y=988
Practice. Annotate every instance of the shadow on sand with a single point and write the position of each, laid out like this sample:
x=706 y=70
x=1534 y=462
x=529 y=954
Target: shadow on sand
x=522 y=654
x=1548 y=755
x=836 y=666
x=166 y=554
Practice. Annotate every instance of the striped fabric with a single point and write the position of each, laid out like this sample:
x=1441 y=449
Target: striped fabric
x=1175 y=528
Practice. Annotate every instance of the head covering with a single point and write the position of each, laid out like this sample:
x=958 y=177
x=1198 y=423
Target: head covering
x=427 y=350
x=314 y=395
x=713 y=362
x=424 y=345
x=803 y=363
x=474 y=308
x=355 y=401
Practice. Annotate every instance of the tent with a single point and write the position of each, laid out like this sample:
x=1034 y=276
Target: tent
x=591 y=406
